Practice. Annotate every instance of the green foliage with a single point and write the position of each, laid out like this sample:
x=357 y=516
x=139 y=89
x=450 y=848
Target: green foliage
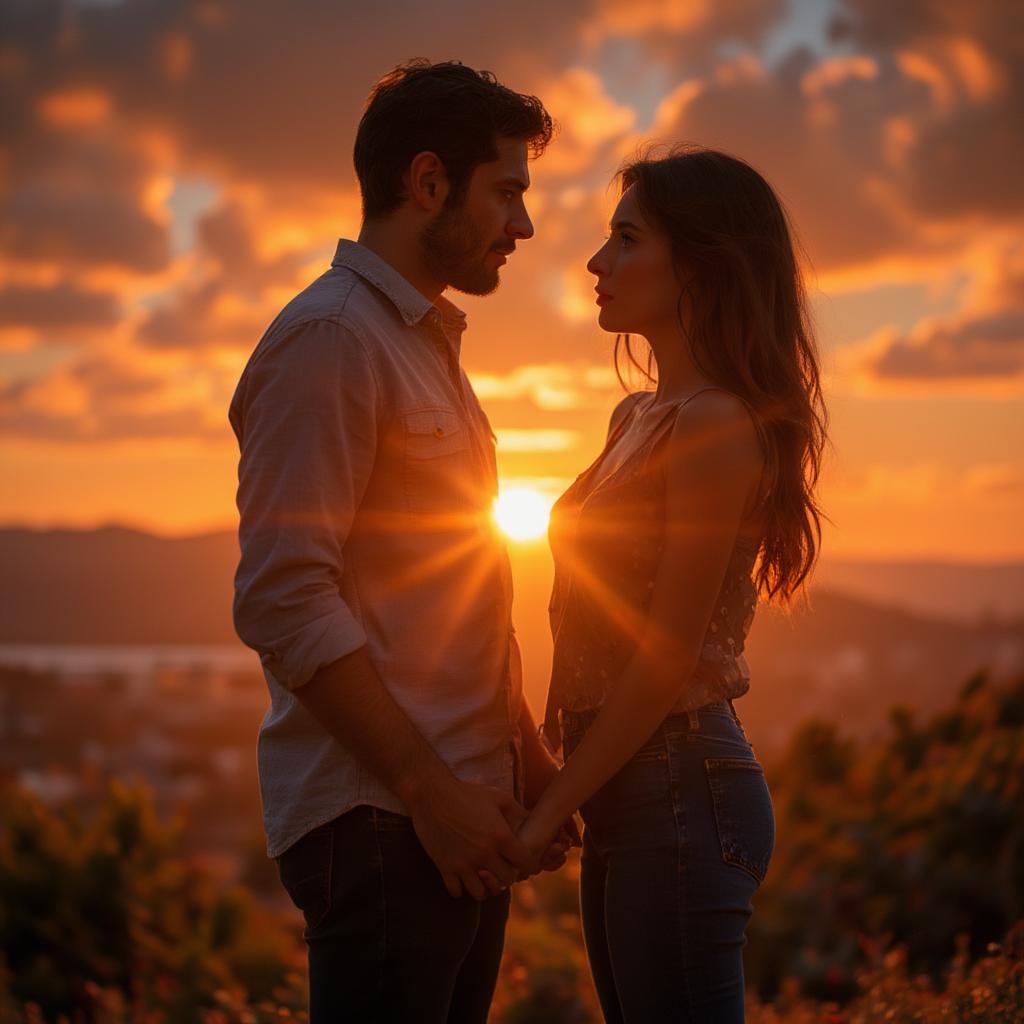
x=898 y=863
x=919 y=837
x=988 y=991
x=101 y=916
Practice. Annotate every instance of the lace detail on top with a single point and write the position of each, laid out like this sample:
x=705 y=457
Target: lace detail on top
x=607 y=541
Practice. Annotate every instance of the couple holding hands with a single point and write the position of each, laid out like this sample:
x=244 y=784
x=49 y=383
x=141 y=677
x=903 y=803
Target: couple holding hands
x=405 y=784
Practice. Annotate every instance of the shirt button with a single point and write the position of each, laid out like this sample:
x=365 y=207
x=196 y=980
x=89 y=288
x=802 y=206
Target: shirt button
x=438 y=431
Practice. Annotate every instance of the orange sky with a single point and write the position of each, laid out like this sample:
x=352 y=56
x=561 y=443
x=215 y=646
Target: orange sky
x=171 y=174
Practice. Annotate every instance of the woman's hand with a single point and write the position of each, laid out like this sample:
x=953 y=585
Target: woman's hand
x=546 y=846
x=553 y=842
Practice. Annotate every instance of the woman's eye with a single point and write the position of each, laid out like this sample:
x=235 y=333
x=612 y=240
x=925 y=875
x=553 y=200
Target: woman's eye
x=626 y=239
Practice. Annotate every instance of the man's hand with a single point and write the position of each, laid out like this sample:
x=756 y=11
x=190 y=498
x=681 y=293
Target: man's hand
x=466 y=829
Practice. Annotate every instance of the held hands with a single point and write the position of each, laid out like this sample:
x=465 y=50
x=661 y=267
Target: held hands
x=481 y=839
x=546 y=847
x=468 y=831
x=541 y=838
x=547 y=843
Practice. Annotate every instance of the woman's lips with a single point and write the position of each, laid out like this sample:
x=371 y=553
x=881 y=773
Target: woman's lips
x=602 y=298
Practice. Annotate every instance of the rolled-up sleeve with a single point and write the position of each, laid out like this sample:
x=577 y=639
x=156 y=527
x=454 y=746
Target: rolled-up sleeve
x=305 y=415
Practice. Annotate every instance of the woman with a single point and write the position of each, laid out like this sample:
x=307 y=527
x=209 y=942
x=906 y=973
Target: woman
x=655 y=545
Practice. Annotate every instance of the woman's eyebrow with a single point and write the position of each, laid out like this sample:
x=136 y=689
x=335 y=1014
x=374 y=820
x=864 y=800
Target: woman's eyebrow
x=625 y=224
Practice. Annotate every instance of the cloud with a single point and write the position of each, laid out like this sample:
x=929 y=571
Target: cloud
x=896 y=152
x=588 y=118
x=531 y=439
x=966 y=156
x=879 y=482
x=887 y=156
x=112 y=398
x=972 y=347
x=62 y=307
x=554 y=387
x=979 y=347
x=995 y=480
x=84 y=198
x=256 y=92
x=821 y=131
x=671 y=29
x=234 y=291
x=920 y=482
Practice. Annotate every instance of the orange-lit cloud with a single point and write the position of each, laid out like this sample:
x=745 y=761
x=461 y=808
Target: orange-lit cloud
x=533 y=439
x=980 y=347
x=670 y=28
x=588 y=119
x=128 y=305
x=105 y=399
x=996 y=480
x=550 y=386
x=75 y=108
x=63 y=308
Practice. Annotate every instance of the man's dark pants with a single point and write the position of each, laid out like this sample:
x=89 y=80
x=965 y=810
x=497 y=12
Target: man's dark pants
x=387 y=943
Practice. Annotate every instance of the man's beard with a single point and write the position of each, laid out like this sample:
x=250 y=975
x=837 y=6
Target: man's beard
x=455 y=252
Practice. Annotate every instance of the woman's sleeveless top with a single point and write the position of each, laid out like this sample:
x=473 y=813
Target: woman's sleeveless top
x=607 y=540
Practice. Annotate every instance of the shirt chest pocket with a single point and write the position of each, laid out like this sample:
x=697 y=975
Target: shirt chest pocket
x=439 y=472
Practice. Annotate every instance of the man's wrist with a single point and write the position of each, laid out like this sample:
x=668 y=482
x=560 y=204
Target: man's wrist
x=417 y=786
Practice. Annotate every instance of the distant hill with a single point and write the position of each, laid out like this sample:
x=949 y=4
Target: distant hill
x=849 y=656
x=964 y=592
x=115 y=586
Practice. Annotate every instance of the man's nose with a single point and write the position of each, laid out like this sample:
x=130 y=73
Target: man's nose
x=520 y=226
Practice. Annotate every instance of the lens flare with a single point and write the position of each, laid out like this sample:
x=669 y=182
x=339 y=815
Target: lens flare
x=522 y=513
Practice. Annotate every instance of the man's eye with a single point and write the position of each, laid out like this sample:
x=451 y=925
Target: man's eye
x=508 y=193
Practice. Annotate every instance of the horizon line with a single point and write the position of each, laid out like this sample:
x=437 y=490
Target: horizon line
x=1012 y=558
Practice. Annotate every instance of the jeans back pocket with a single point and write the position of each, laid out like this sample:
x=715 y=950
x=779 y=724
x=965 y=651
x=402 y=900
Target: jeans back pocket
x=743 y=812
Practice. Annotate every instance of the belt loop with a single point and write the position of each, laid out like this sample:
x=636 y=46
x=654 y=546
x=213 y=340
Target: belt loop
x=732 y=708
x=691 y=714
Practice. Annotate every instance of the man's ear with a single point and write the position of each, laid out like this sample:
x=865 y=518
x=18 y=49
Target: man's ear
x=427 y=182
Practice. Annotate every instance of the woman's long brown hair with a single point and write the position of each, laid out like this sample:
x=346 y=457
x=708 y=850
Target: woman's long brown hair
x=748 y=330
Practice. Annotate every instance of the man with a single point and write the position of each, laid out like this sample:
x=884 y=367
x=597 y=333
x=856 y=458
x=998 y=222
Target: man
x=398 y=754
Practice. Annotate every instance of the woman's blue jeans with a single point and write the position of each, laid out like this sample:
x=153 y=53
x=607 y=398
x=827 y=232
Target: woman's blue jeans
x=675 y=845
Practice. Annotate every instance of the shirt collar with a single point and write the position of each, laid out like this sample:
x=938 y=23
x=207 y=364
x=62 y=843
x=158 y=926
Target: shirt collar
x=411 y=304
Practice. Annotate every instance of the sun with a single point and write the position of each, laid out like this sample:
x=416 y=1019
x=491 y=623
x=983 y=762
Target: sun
x=522 y=513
